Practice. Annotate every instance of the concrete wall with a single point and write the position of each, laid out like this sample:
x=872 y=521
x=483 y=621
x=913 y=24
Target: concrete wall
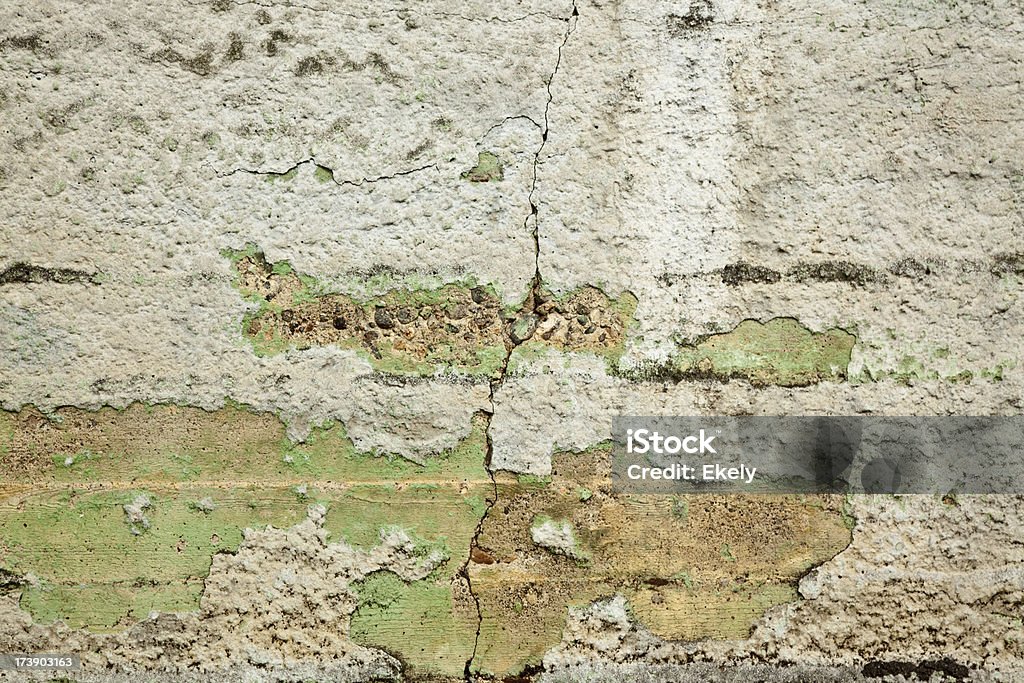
x=379 y=275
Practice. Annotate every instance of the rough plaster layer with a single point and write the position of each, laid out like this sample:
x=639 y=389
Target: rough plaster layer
x=778 y=133
x=850 y=167
x=660 y=160
x=567 y=401
x=911 y=585
x=274 y=603
x=123 y=148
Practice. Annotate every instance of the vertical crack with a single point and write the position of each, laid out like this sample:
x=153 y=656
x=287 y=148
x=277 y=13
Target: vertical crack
x=474 y=542
x=534 y=299
x=570 y=27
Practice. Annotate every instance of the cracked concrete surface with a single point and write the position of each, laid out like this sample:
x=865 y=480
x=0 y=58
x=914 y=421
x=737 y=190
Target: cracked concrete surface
x=850 y=167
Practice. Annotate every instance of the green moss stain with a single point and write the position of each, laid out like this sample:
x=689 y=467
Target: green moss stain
x=780 y=351
x=415 y=332
x=488 y=169
x=681 y=508
x=96 y=573
x=418 y=620
x=67 y=478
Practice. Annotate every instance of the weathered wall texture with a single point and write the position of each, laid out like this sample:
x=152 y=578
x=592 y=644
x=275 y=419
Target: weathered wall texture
x=313 y=319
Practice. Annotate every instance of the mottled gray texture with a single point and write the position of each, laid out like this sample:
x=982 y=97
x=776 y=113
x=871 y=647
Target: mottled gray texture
x=658 y=143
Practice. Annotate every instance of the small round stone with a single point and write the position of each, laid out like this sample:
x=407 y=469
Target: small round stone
x=383 y=319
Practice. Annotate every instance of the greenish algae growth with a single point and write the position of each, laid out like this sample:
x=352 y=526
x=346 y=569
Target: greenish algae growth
x=207 y=475
x=430 y=623
x=95 y=572
x=781 y=352
x=680 y=508
x=456 y=327
x=418 y=620
x=488 y=169
x=323 y=174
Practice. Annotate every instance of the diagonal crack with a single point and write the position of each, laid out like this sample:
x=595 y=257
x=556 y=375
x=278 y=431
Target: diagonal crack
x=535 y=231
x=517 y=117
x=341 y=183
x=496 y=19
x=530 y=306
x=397 y=174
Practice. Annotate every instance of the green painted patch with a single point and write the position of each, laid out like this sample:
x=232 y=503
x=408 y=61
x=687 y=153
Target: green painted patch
x=329 y=453
x=488 y=169
x=165 y=445
x=441 y=517
x=95 y=572
x=124 y=509
x=108 y=607
x=780 y=351
x=430 y=623
x=419 y=620
x=155 y=444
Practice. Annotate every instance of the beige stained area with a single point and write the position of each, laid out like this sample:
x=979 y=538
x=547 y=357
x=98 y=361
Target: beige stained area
x=691 y=567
